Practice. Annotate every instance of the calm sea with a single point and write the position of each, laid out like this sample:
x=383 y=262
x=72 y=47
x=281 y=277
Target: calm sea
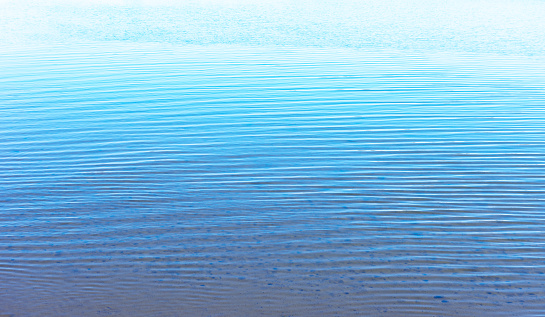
x=243 y=158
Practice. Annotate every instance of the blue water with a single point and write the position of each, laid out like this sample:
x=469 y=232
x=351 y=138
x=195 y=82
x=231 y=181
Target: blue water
x=240 y=158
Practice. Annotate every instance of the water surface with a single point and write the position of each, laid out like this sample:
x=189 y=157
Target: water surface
x=152 y=176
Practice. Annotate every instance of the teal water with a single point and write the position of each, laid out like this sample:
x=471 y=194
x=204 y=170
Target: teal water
x=230 y=158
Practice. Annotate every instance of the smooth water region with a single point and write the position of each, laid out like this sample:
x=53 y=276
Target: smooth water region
x=149 y=175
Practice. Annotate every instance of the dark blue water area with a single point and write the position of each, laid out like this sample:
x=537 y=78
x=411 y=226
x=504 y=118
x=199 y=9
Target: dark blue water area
x=151 y=175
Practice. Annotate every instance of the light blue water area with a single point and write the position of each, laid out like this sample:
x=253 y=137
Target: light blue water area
x=211 y=158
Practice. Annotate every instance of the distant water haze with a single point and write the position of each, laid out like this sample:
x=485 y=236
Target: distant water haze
x=501 y=26
x=272 y=158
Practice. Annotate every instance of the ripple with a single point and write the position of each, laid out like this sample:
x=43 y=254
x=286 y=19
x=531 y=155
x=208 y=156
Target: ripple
x=279 y=181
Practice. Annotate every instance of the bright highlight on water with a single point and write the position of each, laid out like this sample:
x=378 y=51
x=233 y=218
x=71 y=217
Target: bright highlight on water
x=247 y=158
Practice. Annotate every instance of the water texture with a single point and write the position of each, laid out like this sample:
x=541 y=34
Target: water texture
x=251 y=167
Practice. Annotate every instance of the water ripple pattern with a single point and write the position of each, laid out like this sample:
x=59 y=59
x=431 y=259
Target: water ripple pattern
x=255 y=181
x=159 y=179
